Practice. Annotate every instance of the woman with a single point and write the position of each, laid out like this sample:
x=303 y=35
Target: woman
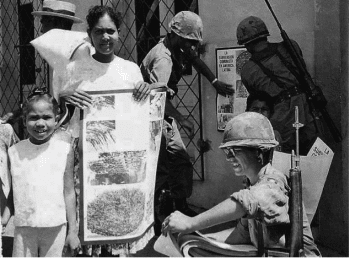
x=81 y=66
x=248 y=141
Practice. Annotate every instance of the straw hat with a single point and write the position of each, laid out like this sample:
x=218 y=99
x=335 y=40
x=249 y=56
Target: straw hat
x=59 y=9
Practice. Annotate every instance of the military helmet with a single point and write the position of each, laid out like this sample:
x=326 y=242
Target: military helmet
x=249 y=129
x=187 y=25
x=251 y=28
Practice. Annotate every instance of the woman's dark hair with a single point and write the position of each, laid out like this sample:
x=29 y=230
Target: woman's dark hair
x=40 y=94
x=98 y=11
x=260 y=96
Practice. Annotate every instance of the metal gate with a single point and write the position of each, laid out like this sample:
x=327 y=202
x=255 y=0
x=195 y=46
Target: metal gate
x=144 y=23
x=21 y=67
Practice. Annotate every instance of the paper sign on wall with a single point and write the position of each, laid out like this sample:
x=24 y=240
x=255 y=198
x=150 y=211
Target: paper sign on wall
x=229 y=62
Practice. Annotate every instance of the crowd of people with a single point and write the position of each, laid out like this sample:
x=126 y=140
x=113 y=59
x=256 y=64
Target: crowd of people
x=45 y=224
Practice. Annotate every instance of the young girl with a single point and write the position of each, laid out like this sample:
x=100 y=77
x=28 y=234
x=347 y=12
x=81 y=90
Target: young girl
x=42 y=184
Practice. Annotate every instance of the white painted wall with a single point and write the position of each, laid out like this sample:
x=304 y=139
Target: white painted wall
x=321 y=29
x=220 y=19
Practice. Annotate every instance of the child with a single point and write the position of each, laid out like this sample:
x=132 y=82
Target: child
x=42 y=184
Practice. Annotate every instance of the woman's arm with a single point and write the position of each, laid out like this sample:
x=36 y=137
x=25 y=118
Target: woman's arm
x=225 y=211
x=72 y=240
x=76 y=97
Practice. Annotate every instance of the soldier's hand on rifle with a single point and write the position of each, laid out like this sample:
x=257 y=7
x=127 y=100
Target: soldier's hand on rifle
x=223 y=88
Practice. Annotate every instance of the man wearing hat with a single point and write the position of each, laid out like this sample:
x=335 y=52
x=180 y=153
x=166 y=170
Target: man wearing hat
x=54 y=15
x=58 y=15
x=165 y=63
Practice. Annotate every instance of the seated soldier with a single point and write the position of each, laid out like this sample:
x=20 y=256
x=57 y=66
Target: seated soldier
x=261 y=102
x=247 y=144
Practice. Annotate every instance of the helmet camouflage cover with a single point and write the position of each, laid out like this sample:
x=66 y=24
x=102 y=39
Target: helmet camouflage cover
x=187 y=25
x=251 y=28
x=249 y=129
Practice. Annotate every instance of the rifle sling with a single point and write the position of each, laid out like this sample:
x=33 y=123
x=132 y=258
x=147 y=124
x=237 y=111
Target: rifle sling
x=256 y=57
x=291 y=68
x=271 y=50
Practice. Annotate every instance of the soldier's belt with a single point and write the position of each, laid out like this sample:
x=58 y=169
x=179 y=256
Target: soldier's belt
x=287 y=94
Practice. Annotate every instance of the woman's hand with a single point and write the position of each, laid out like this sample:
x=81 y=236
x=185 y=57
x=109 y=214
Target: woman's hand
x=143 y=89
x=72 y=244
x=78 y=98
x=6 y=118
x=177 y=222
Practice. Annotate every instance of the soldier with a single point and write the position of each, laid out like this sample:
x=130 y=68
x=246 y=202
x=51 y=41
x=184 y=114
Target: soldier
x=271 y=70
x=165 y=63
x=266 y=200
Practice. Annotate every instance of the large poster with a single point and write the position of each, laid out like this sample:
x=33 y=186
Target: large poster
x=229 y=62
x=120 y=147
x=314 y=170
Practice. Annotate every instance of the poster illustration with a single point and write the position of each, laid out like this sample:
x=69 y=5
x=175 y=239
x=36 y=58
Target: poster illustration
x=229 y=62
x=120 y=147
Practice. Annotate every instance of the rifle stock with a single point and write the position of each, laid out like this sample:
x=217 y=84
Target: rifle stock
x=316 y=99
x=296 y=212
x=296 y=196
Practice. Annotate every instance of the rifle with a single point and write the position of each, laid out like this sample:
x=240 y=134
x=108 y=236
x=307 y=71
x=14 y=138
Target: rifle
x=296 y=213
x=316 y=99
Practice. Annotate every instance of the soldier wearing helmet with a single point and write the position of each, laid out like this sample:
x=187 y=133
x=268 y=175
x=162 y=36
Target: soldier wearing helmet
x=262 y=103
x=271 y=70
x=247 y=144
x=165 y=63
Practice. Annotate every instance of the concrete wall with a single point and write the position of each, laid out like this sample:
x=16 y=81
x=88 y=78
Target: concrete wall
x=316 y=26
x=220 y=19
x=331 y=70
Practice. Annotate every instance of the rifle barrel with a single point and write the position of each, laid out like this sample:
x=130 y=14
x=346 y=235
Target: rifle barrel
x=308 y=84
x=273 y=14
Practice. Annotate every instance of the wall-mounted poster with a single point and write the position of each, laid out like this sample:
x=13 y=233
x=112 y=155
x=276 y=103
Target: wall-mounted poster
x=120 y=147
x=229 y=62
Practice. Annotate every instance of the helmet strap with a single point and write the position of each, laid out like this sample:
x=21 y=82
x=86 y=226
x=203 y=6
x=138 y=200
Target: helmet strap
x=265 y=157
x=260 y=157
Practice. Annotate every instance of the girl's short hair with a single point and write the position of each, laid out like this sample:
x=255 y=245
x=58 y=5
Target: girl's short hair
x=98 y=11
x=40 y=94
